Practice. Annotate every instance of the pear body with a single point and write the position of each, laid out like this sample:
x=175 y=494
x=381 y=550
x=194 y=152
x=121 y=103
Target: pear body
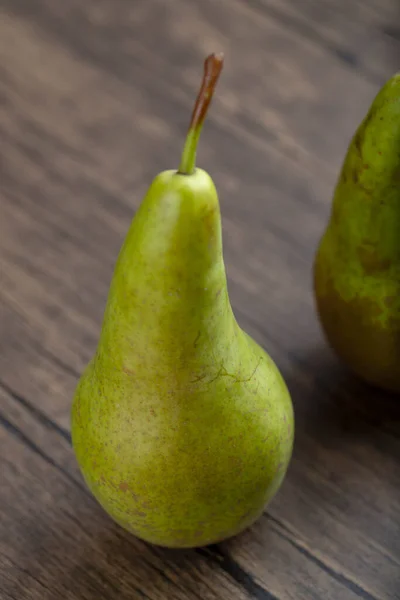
x=181 y=424
x=357 y=266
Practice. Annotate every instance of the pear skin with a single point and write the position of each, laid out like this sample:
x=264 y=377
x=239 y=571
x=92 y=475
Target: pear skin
x=357 y=265
x=181 y=424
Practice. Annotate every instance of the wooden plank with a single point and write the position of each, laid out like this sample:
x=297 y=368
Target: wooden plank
x=73 y=172
x=280 y=91
x=360 y=35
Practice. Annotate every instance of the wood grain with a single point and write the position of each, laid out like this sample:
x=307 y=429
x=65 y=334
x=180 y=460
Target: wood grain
x=95 y=97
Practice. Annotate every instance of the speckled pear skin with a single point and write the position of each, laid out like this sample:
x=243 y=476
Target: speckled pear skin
x=182 y=425
x=357 y=266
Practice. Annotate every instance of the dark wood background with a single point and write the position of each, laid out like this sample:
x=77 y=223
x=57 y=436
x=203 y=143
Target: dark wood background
x=95 y=98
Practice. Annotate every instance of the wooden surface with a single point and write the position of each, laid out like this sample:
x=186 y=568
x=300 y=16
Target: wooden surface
x=95 y=97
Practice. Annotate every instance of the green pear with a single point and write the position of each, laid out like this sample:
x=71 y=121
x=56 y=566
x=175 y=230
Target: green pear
x=181 y=424
x=357 y=266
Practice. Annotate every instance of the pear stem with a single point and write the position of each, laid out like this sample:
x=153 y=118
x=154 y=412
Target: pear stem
x=212 y=69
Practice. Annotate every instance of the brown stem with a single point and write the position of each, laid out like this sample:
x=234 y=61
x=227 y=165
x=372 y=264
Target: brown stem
x=212 y=69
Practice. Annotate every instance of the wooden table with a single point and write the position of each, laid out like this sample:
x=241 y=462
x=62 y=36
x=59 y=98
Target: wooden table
x=95 y=100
